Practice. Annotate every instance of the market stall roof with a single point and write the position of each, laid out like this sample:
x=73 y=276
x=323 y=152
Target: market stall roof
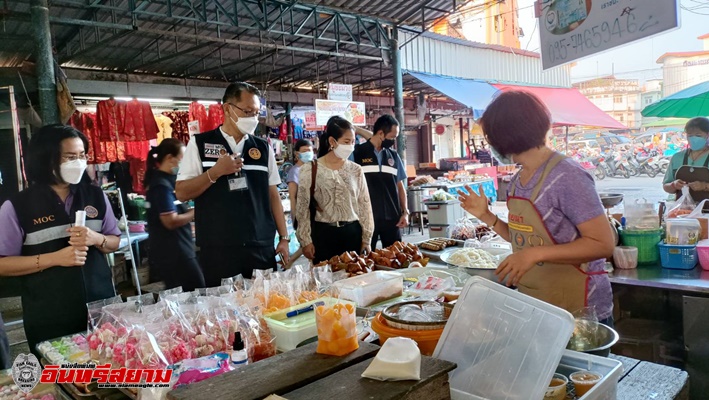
x=568 y=106
x=666 y=122
x=688 y=103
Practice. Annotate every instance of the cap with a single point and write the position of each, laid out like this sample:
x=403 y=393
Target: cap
x=238 y=343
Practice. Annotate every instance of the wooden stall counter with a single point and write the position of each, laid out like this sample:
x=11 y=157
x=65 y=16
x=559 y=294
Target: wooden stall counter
x=304 y=374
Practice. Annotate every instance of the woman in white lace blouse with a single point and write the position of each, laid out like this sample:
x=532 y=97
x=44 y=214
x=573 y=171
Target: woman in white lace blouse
x=343 y=220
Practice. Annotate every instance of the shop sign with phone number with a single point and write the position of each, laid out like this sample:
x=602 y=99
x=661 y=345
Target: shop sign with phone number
x=573 y=29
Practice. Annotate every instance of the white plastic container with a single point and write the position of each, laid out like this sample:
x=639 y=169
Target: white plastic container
x=439 y=231
x=444 y=212
x=682 y=231
x=611 y=370
x=507 y=345
x=372 y=288
x=290 y=332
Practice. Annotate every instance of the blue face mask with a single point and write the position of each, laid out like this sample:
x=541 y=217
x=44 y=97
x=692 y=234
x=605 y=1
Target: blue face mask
x=697 y=143
x=306 y=157
x=175 y=170
x=502 y=159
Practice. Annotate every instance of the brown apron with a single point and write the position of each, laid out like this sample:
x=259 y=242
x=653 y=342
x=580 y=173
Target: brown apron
x=690 y=173
x=563 y=285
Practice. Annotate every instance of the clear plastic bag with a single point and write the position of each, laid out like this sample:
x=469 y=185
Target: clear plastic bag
x=337 y=329
x=684 y=205
x=463 y=229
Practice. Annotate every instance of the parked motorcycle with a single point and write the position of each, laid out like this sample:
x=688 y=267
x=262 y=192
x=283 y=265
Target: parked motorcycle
x=599 y=171
x=617 y=165
x=646 y=167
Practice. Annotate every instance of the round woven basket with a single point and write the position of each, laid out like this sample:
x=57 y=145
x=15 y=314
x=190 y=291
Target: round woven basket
x=390 y=317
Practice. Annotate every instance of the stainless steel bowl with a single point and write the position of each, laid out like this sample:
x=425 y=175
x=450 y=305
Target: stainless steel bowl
x=610 y=200
x=593 y=338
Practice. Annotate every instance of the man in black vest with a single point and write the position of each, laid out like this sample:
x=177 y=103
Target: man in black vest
x=385 y=175
x=232 y=177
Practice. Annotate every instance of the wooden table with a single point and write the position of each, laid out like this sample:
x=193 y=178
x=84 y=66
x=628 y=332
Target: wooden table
x=303 y=374
x=642 y=380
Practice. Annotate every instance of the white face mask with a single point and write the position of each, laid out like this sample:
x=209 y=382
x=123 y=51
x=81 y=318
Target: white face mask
x=72 y=171
x=344 y=151
x=246 y=125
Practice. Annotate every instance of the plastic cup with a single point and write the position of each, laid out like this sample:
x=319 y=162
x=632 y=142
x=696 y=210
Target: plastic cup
x=557 y=388
x=584 y=381
x=625 y=257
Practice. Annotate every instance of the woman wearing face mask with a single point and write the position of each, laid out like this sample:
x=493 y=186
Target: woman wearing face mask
x=343 y=218
x=304 y=153
x=62 y=266
x=171 y=248
x=557 y=225
x=690 y=167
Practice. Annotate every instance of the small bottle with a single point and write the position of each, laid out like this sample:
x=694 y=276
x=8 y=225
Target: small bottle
x=239 y=358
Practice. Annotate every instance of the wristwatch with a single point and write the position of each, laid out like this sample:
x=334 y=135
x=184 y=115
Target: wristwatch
x=286 y=238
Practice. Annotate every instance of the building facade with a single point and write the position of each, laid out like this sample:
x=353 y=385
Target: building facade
x=622 y=99
x=681 y=70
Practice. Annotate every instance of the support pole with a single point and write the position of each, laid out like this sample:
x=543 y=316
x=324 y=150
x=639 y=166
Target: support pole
x=398 y=92
x=462 y=141
x=46 y=83
x=290 y=140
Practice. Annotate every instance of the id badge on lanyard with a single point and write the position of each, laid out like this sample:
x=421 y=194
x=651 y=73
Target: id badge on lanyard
x=238 y=182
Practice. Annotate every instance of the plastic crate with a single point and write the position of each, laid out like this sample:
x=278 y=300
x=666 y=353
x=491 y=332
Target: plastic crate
x=678 y=256
x=607 y=388
x=439 y=231
x=444 y=212
x=646 y=242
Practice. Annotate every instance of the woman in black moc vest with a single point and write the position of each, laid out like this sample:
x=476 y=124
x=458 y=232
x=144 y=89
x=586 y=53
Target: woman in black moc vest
x=62 y=266
x=171 y=246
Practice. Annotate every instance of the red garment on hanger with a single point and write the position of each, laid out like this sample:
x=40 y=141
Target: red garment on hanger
x=179 y=125
x=140 y=123
x=86 y=124
x=216 y=116
x=110 y=116
x=283 y=132
x=199 y=113
x=137 y=150
x=137 y=172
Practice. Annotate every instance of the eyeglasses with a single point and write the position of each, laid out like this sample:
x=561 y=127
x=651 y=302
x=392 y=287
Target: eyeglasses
x=74 y=157
x=246 y=113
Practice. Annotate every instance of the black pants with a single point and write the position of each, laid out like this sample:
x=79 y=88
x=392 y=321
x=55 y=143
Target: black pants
x=220 y=262
x=387 y=231
x=183 y=272
x=5 y=362
x=330 y=241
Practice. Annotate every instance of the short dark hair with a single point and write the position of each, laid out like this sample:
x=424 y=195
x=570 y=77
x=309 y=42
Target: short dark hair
x=336 y=127
x=234 y=91
x=302 y=143
x=156 y=155
x=44 y=153
x=516 y=121
x=385 y=123
x=701 y=123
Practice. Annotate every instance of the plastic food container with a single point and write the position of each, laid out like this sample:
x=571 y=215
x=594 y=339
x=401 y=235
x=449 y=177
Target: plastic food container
x=584 y=381
x=682 y=231
x=625 y=257
x=444 y=212
x=426 y=339
x=609 y=369
x=557 y=388
x=678 y=256
x=290 y=332
x=646 y=241
x=703 y=254
x=507 y=345
x=372 y=288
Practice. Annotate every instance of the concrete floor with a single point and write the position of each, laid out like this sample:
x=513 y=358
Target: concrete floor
x=11 y=307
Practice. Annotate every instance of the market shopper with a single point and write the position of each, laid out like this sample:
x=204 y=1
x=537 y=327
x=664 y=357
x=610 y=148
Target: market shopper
x=690 y=167
x=233 y=177
x=171 y=246
x=62 y=266
x=304 y=154
x=343 y=212
x=559 y=232
x=385 y=175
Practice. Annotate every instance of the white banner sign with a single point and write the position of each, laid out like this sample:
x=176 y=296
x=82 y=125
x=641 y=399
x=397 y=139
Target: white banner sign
x=352 y=111
x=336 y=91
x=572 y=29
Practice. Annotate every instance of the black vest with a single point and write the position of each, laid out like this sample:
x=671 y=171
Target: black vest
x=167 y=245
x=381 y=181
x=54 y=300
x=240 y=217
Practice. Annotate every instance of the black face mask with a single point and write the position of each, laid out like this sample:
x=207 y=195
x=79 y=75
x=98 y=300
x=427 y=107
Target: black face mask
x=387 y=143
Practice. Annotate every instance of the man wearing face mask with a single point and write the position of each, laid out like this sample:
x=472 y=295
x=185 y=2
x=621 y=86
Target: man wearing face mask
x=233 y=177
x=385 y=175
x=61 y=267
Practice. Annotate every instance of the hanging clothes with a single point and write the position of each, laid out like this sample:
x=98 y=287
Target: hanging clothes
x=86 y=123
x=110 y=117
x=164 y=126
x=283 y=132
x=137 y=172
x=139 y=122
x=180 y=119
x=216 y=116
x=199 y=113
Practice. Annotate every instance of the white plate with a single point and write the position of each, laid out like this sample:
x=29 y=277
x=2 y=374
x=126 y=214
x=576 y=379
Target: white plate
x=497 y=254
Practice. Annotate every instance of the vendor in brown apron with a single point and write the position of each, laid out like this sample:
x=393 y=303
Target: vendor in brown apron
x=689 y=173
x=563 y=285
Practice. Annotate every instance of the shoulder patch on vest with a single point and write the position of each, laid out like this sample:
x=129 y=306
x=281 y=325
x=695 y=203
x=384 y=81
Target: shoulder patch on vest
x=91 y=211
x=391 y=162
x=255 y=153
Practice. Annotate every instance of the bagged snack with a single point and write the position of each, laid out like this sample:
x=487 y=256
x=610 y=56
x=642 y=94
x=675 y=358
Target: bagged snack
x=337 y=329
x=399 y=359
x=464 y=229
x=684 y=205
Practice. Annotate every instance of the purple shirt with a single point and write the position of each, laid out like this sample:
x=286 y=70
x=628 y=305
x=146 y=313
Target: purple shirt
x=567 y=200
x=12 y=236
